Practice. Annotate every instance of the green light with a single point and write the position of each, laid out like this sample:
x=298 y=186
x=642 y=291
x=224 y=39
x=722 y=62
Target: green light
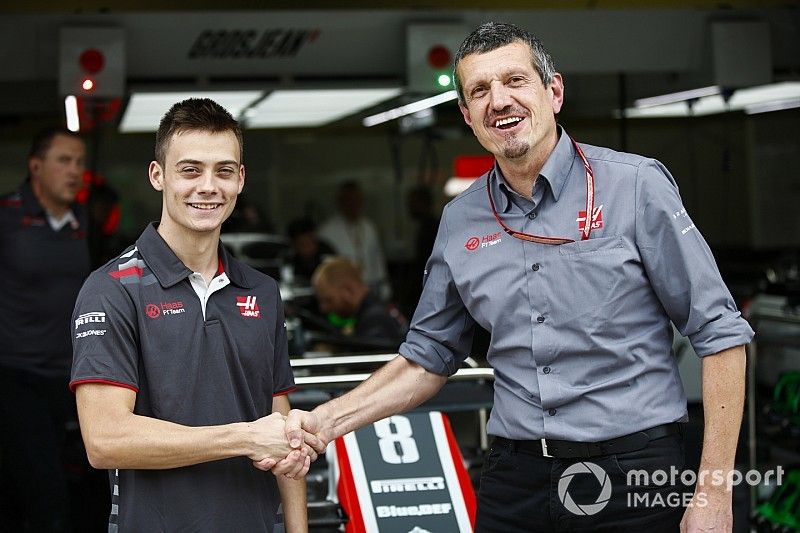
x=444 y=80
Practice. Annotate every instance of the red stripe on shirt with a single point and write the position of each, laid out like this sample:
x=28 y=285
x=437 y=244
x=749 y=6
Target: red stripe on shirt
x=284 y=392
x=74 y=384
x=130 y=271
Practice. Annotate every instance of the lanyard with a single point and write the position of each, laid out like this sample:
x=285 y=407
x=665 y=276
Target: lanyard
x=587 y=225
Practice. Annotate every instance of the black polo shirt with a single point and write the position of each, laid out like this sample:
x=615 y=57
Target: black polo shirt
x=138 y=323
x=41 y=272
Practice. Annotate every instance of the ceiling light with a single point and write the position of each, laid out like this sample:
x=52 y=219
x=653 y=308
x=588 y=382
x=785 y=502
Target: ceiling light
x=309 y=108
x=680 y=96
x=750 y=100
x=71 y=108
x=778 y=105
x=145 y=110
x=397 y=112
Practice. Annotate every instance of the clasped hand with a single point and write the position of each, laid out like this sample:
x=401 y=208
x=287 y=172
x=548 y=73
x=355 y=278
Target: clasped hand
x=270 y=449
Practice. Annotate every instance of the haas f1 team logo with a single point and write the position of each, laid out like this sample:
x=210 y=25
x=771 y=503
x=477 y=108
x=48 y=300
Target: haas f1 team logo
x=248 y=306
x=597 y=218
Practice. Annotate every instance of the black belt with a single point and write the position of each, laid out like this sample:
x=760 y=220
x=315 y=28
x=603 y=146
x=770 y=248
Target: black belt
x=564 y=449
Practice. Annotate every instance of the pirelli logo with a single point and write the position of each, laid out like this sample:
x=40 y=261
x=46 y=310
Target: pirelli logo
x=89 y=318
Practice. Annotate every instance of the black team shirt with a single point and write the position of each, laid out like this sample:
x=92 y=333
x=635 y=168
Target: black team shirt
x=41 y=272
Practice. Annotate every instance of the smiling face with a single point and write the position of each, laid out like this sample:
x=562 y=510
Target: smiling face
x=200 y=180
x=506 y=104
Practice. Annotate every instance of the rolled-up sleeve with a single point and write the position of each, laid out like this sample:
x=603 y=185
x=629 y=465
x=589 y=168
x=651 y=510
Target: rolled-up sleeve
x=681 y=267
x=441 y=331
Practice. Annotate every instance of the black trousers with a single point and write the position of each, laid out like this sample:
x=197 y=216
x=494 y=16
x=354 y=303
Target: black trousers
x=523 y=492
x=33 y=413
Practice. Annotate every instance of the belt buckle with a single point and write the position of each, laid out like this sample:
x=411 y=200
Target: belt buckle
x=544 y=448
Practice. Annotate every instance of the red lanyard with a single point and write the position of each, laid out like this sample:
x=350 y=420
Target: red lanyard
x=587 y=225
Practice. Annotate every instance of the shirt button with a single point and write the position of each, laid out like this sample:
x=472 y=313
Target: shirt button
x=546 y=370
x=535 y=267
x=531 y=215
x=540 y=319
x=551 y=412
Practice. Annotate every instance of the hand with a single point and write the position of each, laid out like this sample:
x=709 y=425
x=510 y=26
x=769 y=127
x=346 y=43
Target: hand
x=294 y=466
x=303 y=427
x=708 y=511
x=268 y=439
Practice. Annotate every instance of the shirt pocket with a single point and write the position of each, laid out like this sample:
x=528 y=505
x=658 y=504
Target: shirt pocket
x=586 y=271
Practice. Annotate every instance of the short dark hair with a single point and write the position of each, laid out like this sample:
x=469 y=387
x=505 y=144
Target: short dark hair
x=44 y=139
x=492 y=35
x=195 y=114
x=300 y=226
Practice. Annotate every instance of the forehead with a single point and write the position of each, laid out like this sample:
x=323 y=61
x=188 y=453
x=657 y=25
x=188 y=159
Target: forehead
x=513 y=57
x=65 y=143
x=202 y=145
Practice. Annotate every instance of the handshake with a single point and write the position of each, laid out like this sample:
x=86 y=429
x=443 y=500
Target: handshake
x=286 y=445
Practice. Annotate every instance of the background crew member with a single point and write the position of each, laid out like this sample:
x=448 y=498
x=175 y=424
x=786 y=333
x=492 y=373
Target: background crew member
x=353 y=235
x=44 y=259
x=308 y=251
x=340 y=289
x=180 y=352
x=578 y=300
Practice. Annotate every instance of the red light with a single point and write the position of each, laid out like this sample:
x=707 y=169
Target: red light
x=438 y=56
x=87 y=84
x=92 y=61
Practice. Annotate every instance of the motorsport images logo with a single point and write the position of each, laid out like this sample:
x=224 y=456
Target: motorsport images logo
x=590 y=508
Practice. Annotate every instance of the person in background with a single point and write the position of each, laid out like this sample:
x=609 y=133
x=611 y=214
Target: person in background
x=180 y=367
x=575 y=258
x=420 y=207
x=353 y=235
x=44 y=259
x=308 y=251
x=340 y=289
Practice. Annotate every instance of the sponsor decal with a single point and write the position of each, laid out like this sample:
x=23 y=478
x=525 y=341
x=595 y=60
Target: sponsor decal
x=425 y=509
x=90 y=332
x=597 y=218
x=164 y=308
x=172 y=308
x=94 y=317
x=251 y=44
x=418 y=484
x=248 y=307
x=32 y=221
x=473 y=243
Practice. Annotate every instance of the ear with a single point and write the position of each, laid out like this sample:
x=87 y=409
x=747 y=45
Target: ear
x=34 y=166
x=241 y=179
x=156 y=174
x=557 y=88
x=465 y=114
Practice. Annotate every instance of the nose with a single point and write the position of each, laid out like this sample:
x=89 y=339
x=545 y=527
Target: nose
x=205 y=183
x=500 y=96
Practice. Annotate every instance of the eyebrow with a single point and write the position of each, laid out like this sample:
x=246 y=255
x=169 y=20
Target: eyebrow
x=198 y=162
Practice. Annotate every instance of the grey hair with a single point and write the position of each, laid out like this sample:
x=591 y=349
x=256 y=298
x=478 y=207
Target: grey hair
x=492 y=35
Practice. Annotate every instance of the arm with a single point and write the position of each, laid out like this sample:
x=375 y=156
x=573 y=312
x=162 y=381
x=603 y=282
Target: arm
x=115 y=437
x=723 y=402
x=397 y=386
x=293 y=491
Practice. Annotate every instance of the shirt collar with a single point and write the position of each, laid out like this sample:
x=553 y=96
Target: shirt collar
x=558 y=166
x=555 y=172
x=169 y=270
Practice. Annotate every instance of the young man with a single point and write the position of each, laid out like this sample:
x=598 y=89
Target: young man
x=44 y=259
x=575 y=258
x=180 y=352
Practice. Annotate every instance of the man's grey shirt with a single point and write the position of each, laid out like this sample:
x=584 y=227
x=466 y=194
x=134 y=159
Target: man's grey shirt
x=580 y=333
